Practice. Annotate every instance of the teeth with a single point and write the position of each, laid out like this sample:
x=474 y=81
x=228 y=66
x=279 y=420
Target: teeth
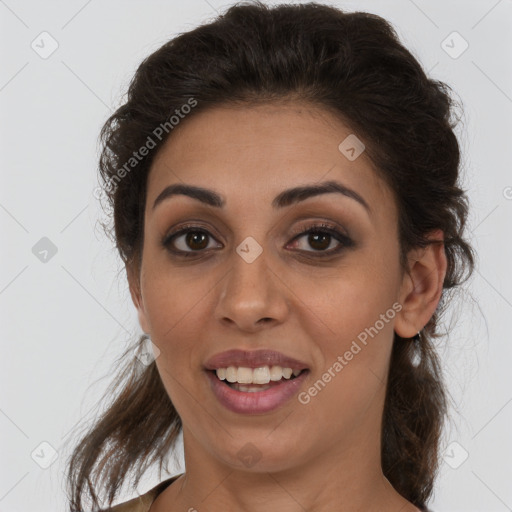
x=244 y=375
x=262 y=375
x=287 y=373
x=276 y=373
x=231 y=374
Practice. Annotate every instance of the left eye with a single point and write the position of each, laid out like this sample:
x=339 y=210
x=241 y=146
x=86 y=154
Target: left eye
x=321 y=236
x=319 y=240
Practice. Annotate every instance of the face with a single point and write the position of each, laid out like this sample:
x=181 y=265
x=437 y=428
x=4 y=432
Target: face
x=314 y=277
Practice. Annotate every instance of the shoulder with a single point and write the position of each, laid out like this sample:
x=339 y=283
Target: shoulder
x=139 y=504
x=143 y=502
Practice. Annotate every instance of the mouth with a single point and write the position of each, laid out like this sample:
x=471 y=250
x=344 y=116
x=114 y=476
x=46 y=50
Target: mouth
x=255 y=380
x=252 y=391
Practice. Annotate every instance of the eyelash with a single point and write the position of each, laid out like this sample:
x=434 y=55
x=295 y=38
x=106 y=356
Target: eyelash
x=318 y=228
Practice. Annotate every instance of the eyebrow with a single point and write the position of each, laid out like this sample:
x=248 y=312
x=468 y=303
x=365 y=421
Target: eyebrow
x=283 y=199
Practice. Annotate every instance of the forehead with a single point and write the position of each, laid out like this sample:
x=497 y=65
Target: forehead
x=257 y=151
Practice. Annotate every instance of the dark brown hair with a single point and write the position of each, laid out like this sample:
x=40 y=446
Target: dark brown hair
x=354 y=66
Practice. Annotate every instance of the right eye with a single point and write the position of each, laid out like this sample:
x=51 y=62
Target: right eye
x=187 y=240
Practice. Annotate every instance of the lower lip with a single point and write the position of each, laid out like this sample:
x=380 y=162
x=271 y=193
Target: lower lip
x=258 y=402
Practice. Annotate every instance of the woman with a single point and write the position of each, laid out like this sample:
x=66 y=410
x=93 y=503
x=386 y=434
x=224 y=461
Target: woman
x=284 y=184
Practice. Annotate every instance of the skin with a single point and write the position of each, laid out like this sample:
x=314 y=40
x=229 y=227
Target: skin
x=319 y=456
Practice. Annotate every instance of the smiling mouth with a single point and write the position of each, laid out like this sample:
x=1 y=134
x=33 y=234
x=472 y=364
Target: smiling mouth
x=253 y=380
x=256 y=390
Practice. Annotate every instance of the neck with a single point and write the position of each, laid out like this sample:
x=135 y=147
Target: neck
x=346 y=480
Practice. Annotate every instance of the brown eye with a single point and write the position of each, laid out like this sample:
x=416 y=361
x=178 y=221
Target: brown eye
x=188 y=241
x=319 y=241
x=322 y=239
x=196 y=240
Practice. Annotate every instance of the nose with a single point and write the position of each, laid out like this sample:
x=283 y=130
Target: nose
x=252 y=295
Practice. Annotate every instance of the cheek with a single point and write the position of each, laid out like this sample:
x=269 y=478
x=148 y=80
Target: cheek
x=171 y=309
x=347 y=391
x=173 y=297
x=352 y=323
x=176 y=306
x=359 y=310
x=348 y=302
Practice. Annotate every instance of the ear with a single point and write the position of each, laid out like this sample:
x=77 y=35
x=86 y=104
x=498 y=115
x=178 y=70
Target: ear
x=134 y=285
x=422 y=286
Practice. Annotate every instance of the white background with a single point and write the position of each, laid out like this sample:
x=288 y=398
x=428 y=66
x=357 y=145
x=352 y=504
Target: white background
x=65 y=321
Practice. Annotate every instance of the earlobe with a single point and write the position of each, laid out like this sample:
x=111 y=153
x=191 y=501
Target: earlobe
x=422 y=286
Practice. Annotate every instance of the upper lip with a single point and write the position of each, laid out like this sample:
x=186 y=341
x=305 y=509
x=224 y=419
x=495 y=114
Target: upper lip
x=253 y=359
